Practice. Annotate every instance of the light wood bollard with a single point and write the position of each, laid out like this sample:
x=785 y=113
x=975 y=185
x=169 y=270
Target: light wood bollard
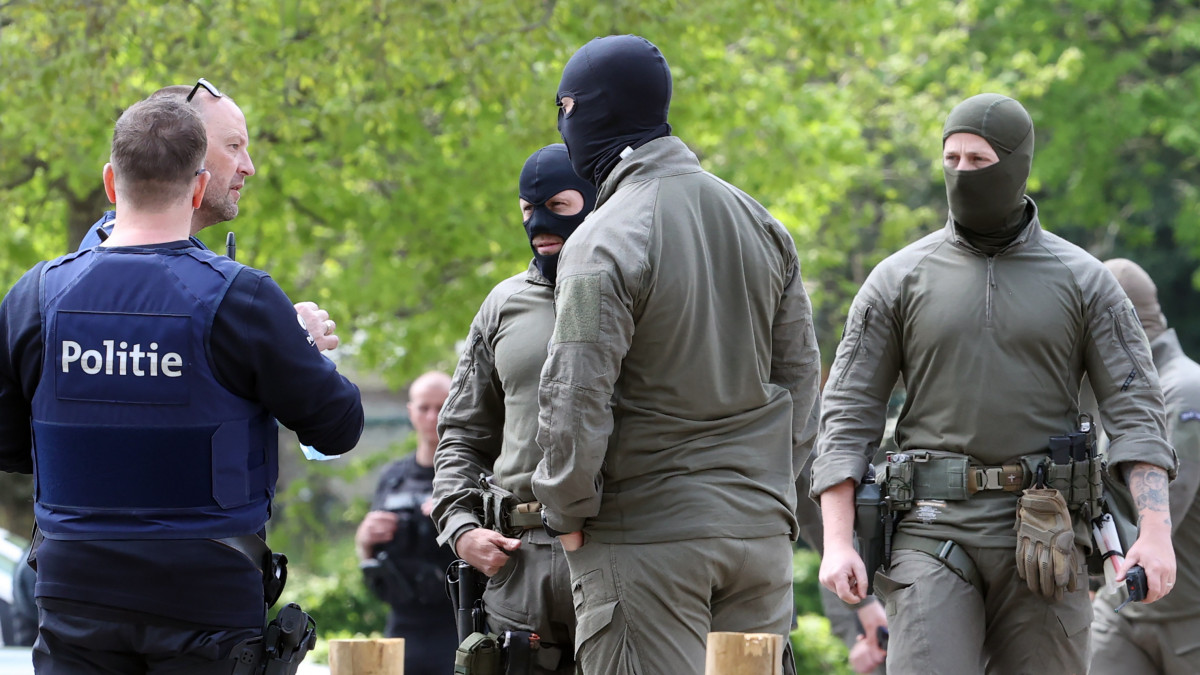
x=383 y=656
x=743 y=654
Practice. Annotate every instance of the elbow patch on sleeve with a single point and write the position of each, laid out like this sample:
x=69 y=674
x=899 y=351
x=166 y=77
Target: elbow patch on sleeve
x=577 y=305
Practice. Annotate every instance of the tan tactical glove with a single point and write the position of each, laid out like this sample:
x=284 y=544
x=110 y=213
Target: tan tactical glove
x=1046 y=555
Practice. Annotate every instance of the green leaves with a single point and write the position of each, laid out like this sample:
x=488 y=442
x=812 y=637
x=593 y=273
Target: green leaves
x=388 y=135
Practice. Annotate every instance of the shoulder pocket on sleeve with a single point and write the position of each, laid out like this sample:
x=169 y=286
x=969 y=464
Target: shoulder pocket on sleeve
x=853 y=342
x=1124 y=347
x=465 y=370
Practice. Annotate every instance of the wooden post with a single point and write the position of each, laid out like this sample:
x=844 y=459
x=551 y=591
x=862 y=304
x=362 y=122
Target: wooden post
x=743 y=654
x=366 y=657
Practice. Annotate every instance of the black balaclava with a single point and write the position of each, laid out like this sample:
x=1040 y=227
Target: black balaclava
x=988 y=204
x=622 y=90
x=546 y=173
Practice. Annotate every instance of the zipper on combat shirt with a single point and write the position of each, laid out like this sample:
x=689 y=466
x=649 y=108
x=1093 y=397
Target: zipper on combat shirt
x=470 y=369
x=991 y=283
x=857 y=342
x=1135 y=373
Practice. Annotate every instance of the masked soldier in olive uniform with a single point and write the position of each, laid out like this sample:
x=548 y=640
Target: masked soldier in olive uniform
x=1163 y=637
x=488 y=427
x=680 y=386
x=992 y=322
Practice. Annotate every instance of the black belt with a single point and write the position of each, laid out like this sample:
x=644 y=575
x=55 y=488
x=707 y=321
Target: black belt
x=272 y=566
x=250 y=545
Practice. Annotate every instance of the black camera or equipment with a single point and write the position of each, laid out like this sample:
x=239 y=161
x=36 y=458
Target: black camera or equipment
x=408 y=570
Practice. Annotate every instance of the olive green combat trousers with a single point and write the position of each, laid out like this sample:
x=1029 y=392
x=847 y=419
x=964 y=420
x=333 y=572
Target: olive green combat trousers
x=532 y=592
x=647 y=609
x=1124 y=647
x=941 y=625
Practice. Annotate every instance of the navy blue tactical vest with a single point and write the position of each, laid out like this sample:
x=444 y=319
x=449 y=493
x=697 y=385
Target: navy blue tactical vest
x=134 y=438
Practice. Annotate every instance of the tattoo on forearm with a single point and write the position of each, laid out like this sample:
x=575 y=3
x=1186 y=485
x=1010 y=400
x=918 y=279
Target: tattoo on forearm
x=1148 y=484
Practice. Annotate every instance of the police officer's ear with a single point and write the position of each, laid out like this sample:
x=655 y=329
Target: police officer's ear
x=198 y=190
x=110 y=183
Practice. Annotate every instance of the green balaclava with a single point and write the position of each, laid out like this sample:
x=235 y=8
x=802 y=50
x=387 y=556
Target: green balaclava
x=1142 y=293
x=988 y=204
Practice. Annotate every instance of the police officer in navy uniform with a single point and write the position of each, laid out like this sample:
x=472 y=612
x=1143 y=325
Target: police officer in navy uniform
x=150 y=372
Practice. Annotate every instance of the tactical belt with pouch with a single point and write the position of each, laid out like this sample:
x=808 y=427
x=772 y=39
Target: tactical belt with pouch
x=930 y=474
x=527 y=516
x=481 y=652
x=916 y=475
x=502 y=512
x=510 y=653
x=908 y=477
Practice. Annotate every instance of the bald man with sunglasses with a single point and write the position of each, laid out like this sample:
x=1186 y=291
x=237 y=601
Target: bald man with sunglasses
x=229 y=165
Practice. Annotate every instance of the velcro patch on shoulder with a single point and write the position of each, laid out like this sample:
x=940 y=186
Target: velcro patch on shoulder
x=577 y=305
x=1189 y=415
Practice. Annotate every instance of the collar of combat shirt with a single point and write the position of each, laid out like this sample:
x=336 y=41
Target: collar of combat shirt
x=1030 y=235
x=666 y=156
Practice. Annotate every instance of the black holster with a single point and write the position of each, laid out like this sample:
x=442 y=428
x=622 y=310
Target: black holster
x=287 y=640
x=872 y=525
x=464 y=586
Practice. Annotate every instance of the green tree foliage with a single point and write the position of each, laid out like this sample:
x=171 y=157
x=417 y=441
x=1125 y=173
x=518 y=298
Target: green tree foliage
x=816 y=649
x=1116 y=170
x=388 y=134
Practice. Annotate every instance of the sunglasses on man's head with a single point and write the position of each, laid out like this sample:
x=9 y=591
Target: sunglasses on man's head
x=207 y=85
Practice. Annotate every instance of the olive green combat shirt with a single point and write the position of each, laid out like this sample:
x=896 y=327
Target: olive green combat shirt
x=1181 y=387
x=992 y=350
x=679 y=397
x=488 y=423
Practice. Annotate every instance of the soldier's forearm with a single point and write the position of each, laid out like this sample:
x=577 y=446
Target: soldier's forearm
x=837 y=515
x=1149 y=486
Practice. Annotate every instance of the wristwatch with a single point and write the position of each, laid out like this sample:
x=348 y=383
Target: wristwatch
x=550 y=530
